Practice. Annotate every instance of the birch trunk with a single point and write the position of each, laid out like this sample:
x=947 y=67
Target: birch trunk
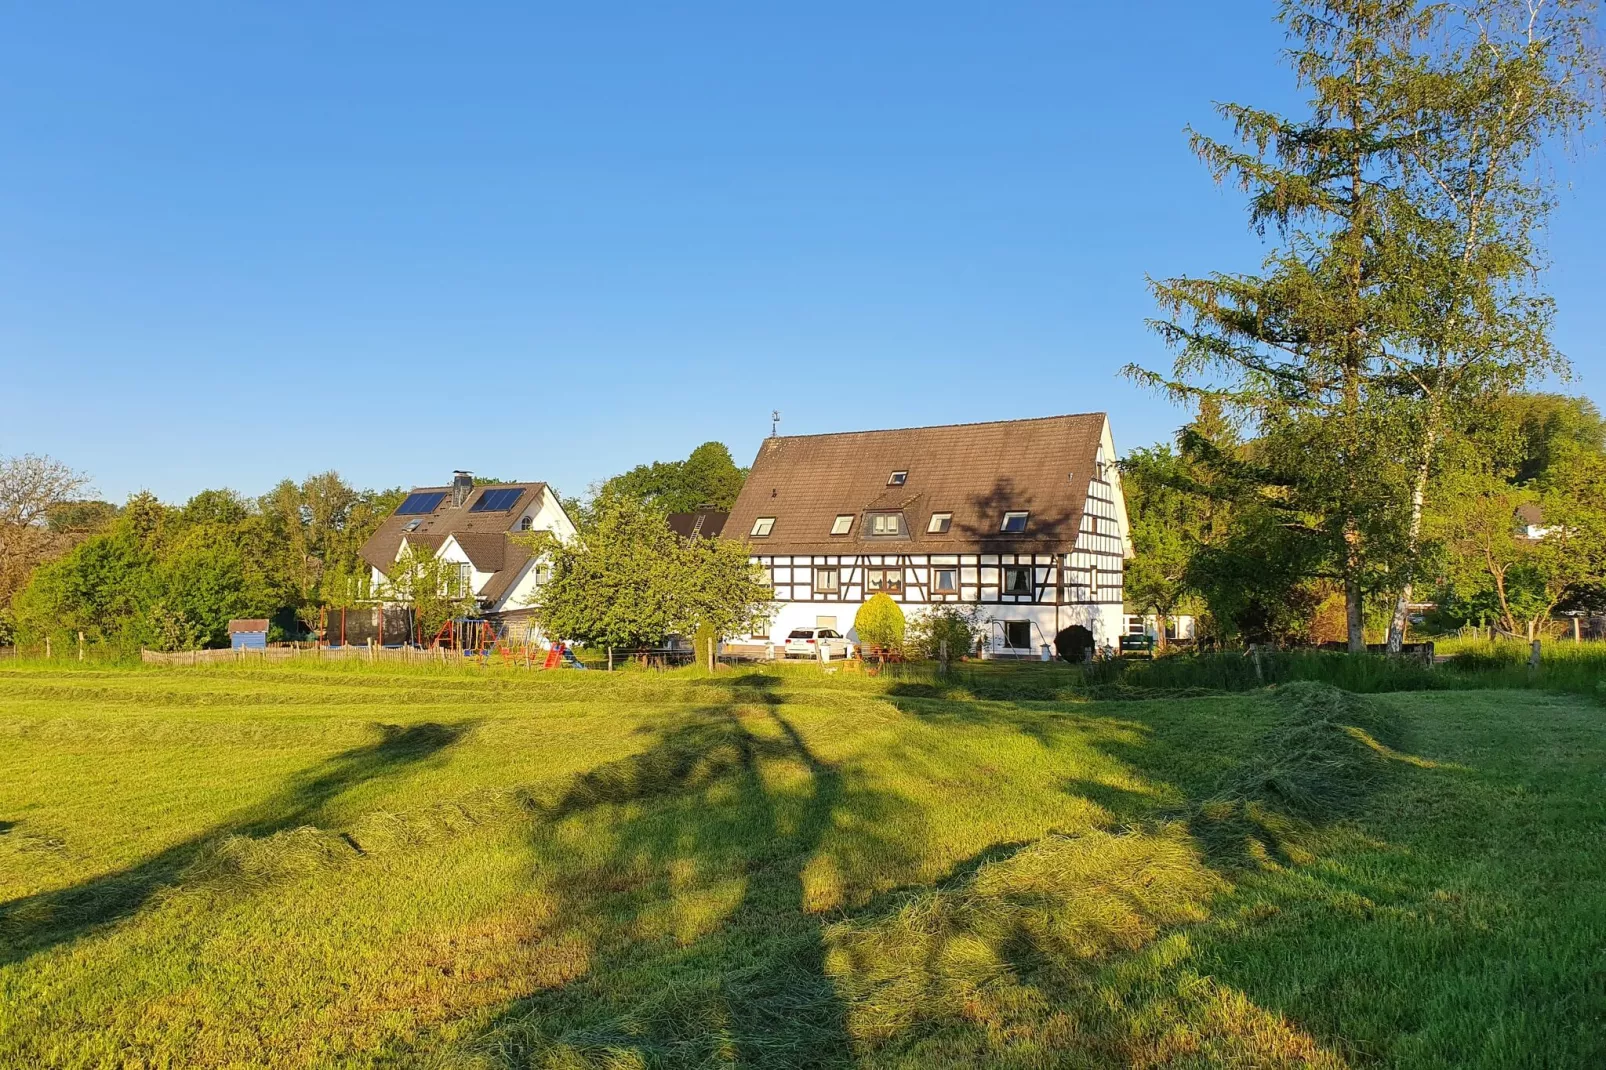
x=1414 y=534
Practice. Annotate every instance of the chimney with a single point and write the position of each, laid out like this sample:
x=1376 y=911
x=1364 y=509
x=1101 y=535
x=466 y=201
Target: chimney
x=462 y=486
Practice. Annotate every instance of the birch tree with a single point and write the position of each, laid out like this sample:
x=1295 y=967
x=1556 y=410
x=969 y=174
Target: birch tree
x=1509 y=79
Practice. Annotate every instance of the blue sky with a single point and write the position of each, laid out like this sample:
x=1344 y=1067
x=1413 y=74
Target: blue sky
x=246 y=241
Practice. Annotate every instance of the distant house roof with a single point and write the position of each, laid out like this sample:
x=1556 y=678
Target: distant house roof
x=447 y=518
x=486 y=550
x=1530 y=514
x=975 y=472
x=248 y=624
x=705 y=521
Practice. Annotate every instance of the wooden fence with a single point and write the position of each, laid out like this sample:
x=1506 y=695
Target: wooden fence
x=245 y=656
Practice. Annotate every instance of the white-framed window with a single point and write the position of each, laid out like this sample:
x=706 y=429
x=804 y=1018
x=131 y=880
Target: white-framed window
x=462 y=584
x=898 y=478
x=525 y=523
x=825 y=579
x=1014 y=522
x=945 y=580
x=762 y=527
x=940 y=523
x=886 y=524
x=842 y=524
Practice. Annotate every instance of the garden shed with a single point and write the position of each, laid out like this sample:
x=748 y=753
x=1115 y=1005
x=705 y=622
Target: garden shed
x=249 y=632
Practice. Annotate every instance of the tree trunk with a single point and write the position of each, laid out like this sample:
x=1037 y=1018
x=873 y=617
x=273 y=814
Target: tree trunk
x=1412 y=538
x=1161 y=621
x=1353 y=616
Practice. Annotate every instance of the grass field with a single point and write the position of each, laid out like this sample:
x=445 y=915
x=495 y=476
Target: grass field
x=369 y=866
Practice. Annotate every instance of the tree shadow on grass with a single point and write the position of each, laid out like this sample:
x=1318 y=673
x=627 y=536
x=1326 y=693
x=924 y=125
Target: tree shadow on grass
x=694 y=871
x=34 y=923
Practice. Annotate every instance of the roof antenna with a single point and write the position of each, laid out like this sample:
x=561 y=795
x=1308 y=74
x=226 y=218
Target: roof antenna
x=775 y=423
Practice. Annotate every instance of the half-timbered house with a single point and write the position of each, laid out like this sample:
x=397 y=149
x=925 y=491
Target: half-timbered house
x=1022 y=518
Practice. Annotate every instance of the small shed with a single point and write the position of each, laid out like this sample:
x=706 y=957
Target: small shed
x=250 y=632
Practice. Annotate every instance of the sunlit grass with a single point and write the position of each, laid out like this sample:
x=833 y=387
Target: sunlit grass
x=367 y=865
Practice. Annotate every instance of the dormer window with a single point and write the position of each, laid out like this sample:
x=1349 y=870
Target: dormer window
x=940 y=523
x=762 y=527
x=842 y=524
x=886 y=524
x=1014 y=523
x=897 y=479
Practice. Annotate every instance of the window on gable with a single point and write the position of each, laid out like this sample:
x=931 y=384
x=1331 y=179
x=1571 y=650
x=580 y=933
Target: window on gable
x=940 y=523
x=524 y=524
x=897 y=479
x=945 y=580
x=1014 y=523
x=462 y=584
x=825 y=579
x=763 y=526
x=886 y=524
x=842 y=524
x=1017 y=580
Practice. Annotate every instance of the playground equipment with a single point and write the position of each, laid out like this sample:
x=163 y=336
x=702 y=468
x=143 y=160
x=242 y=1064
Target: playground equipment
x=559 y=656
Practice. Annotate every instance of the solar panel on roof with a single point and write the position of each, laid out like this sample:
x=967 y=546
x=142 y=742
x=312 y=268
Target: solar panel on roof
x=422 y=502
x=497 y=500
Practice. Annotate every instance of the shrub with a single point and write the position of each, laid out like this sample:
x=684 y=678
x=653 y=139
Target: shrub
x=957 y=624
x=880 y=624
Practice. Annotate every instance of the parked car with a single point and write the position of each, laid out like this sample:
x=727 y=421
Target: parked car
x=806 y=643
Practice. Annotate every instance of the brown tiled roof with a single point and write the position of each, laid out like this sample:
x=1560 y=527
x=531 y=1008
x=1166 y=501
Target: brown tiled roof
x=515 y=554
x=485 y=549
x=977 y=472
x=248 y=624
x=447 y=519
x=705 y=522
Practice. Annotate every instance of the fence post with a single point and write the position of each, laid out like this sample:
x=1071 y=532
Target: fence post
x=1533 y=652
x=47 y=646
x=1576 y=639
x=942 y=656
x=81 y=643
x=1254 y=655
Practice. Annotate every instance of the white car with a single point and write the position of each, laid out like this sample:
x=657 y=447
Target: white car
x=806 y=643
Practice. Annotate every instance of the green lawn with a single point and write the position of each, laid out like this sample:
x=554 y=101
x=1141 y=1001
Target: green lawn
x=363 y=866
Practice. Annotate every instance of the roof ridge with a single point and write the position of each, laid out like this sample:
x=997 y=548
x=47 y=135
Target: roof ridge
x=478 y=486
x=944 y=427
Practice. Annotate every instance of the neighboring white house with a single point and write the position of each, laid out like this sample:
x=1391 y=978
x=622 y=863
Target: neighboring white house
x=471 y=526
x=1022 y=518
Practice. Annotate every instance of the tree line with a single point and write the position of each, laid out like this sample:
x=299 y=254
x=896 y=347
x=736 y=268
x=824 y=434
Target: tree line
x=1360 y=397
x=170 y=577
